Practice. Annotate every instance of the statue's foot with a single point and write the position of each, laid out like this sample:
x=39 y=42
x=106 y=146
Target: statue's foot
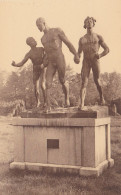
x=39 y=105
x=102 y=102
x=47 y=109
x=67 y=104
x=81 y=107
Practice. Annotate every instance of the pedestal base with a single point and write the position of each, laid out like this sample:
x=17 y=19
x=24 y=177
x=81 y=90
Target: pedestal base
x=63 y=142
x=52 y=168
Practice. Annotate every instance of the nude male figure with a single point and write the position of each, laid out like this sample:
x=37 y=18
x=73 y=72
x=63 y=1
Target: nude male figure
x=37 y=56
x=89 y=44
x=52 y=42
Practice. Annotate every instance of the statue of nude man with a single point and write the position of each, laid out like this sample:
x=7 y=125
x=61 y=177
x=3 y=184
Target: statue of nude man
x=37 y=56
x=52 y=42
x=89 y=44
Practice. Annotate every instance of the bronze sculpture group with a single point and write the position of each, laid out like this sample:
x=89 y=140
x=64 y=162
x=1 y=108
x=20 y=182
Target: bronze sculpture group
x=49 y=59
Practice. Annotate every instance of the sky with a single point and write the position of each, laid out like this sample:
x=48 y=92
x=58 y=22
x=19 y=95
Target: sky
x=18 y=21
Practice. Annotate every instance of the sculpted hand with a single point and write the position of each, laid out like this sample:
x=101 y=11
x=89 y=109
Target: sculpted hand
x=76 y=59
x=13 y=63
x=97 y=56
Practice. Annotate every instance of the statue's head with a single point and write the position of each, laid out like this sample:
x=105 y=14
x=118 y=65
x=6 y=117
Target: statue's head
x=89 y=22
x=31 y=41
x=40 y=22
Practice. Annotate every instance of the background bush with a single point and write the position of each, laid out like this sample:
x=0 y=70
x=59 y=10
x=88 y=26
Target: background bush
x=19 y=86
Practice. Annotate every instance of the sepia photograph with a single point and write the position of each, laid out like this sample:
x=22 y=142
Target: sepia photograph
x=60 y=97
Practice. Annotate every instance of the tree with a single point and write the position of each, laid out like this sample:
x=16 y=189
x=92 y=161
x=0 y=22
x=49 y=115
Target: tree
x=20 y=87
x=111 y=85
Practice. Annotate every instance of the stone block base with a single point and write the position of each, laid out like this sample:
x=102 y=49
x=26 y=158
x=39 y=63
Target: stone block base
x=52 y=168
x=63 y=141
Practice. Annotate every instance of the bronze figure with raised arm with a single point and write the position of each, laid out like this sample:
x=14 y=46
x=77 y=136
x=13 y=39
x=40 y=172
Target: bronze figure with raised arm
x=89 y=44
x=52 y=42
x=38 y=57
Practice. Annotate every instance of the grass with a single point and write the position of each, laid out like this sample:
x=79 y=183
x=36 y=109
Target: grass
x=31 y=183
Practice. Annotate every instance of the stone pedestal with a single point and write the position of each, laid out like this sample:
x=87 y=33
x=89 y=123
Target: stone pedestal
x=74 y=142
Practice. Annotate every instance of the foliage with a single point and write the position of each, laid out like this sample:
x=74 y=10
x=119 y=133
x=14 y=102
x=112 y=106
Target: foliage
x=20 y=86
x=112 y=85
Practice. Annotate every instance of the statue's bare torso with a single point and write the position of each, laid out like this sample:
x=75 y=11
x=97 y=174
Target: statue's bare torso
x=90 y=45
x=52 y=43
x=36 y=55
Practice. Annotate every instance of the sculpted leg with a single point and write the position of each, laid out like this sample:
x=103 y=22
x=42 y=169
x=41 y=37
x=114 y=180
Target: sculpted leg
x=83 y=93
x=65 y=88
x=84 y=75
x=96 y=74
x=51 y=70
x=82 y=98
x=36 y=92
x=43 y=84
x=61 y=73
x=99 y=88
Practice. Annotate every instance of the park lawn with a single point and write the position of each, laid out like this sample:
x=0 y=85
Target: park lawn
x=31 y=183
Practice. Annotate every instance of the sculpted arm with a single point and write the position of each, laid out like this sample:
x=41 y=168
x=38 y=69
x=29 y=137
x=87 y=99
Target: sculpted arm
x=104 y=46
x=67 y=42
x=80 y=48
x=27 y=56
x=45 y=60
x=69 y=45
